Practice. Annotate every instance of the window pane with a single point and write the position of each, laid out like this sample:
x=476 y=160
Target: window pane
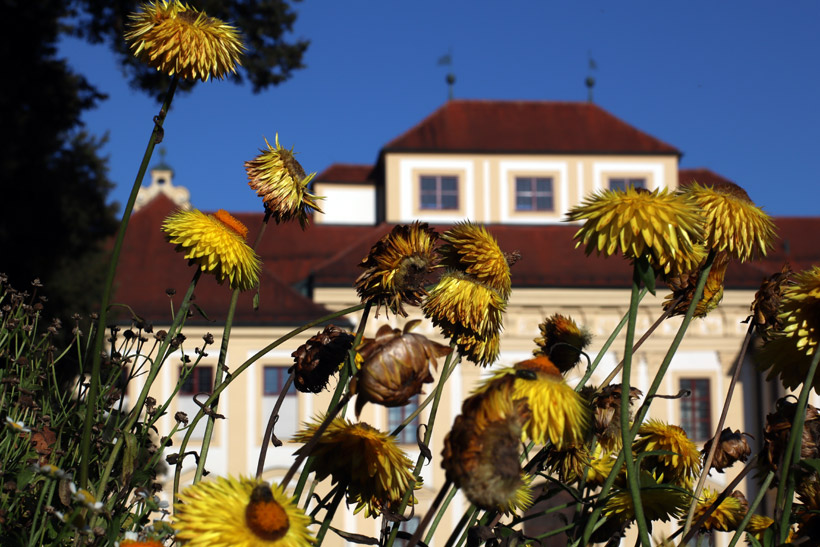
x=428 y=184
x=638 y=183
x=449 y=184
x=523 y=203
x=544 y=203
x=522 y=184
x=543 y=185
x=618 y=185
x=274 y=379
x=205 y=378
x=449 y=202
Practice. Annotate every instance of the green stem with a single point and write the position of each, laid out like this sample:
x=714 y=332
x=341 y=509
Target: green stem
x=466 y=518
x=758 y=499
x=428 y=434
x=334 y=504
x=156 y=136
x=450 y=495
x=785 y=491
x=220 y=368
x=632 y=474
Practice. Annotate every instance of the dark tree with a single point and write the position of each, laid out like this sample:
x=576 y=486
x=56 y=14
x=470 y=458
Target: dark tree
x=54 y=219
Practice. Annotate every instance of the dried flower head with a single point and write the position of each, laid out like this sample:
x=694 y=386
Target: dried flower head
x=778 y=428
x=282 y=184
x=758 y=525
x=606 y=412
x=679 y=467
x=481 y=452
x=659 y=226
x=319 y=358
x=231 y=511
x=575 y=462
x=732 y=447
x=789 y=353
x=461 y=304
x=660 y=501
x=471 y=249
x=733 y=222
x=726 y=516
x=766 y=305
x=395 y=364
x=177 y=39
x=482 y=352
x=397 y=266
x=562 y=341
x=712 y=290
x=375 y=470
x=216 y=243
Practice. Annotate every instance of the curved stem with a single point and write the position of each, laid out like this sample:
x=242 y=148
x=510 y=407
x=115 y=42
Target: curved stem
x=93 y=393
x=266 y=439
x=414 y=539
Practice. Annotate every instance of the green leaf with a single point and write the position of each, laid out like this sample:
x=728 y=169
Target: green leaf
x=129 y=457
x=24 y=477
x=256 y=301
x=646 y=273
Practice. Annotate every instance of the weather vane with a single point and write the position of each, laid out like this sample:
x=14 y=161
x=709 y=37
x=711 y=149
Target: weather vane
x=590 y=81
x=447 y=60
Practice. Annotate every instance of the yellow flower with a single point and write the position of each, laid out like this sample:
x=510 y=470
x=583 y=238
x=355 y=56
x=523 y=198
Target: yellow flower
x=216 y=243
x=562 y=341
x=375 y=470
x=789 y=352
x=177 y=39
x=281 y=182
x=481 y=352
x=239 y=512
x=733 y=222
x=660 y=501
x=397 y=266
x=758 y=525
x=712 y=290
x=471 y=249
x=574 y=462
x=682 y=465
x=460 y=303
x=657 y=225
x=725 y=517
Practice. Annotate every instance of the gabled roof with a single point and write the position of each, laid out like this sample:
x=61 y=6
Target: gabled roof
x=346 y=173
x=545 y=127
x=703 y=176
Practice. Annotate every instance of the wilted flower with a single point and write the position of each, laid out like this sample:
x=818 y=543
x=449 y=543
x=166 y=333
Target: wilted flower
x=481 y=452
x=394 y=366
x=177 y=39
x=319 y=358
x=281 y=182
x=712 y=290
x=660 y=501
x=726 y=516
x=732 y=447
x=471 y=249
x=562 y=341
x=757 y=526
x=482 y=352
x=375 y=470
x=766 y=305
x=216 y=243
x=733 y=222
x=230 y=511
x=659 y=226
x=575 y=463
x=778 y=428
x=679 y=467
x=789 y=353
x=397 y=266
x=606 y=422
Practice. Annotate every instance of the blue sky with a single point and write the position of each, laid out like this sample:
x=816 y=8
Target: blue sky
x=733 y=85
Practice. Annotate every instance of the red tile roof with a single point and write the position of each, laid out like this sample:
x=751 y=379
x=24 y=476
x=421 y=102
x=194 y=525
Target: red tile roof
x=346 y=172
x=703 y=176
x=526 y=127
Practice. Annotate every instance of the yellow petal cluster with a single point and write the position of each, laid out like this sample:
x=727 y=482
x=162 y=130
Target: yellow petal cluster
x=177 y=39
x=725 y=517
x=241 y=512
x=660 y=502
x=282 y=184
x=397 y=266
x=733 y=222
x=376 y=471
x=216 y=243
x=562 y=341
x=657 y=225
x=471 y=249
x=678 y=468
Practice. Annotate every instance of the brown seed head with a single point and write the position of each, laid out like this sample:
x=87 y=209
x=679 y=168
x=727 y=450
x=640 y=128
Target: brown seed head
x=562 y=340
x=712 y=291
x=766 y=305
x=732 y=447
x=778 y=427
x=606 y=406
x=319 y=358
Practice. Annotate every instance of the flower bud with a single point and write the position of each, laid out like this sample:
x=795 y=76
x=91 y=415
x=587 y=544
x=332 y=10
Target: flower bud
x=732 y=447
x=319 y=358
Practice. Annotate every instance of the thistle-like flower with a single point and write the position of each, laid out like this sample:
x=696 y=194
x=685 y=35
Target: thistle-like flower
x=319 y=358
x=562 y=341
x=712 y=290
x=659 y=226
x=660 y=502
x=395 y=364
x=397 y=266
x=733 y=222
x=281 y=182
x=177 y=39
x=230 y=511
x=471 y=249
x=679 y=467
x=216 y=243
x=376 y=472
x=726 y=516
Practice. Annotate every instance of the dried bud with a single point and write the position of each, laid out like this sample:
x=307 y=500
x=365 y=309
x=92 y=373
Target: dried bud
x=181 y=417
x=209 y=338
x=766 y=305
x=395 y=364
x=172 y=459
x=732 y=447
x=319 y=358
x=562 y=341
x=744 y=504
x=161 y=335
x=150 y=404
x=606 y=423
x=778 y=427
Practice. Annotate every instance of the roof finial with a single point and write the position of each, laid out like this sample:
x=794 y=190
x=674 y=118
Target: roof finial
x=447 y=60
x=590 y=80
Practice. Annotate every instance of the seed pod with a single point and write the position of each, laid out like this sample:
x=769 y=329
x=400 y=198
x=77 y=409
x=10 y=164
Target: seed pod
x=394 y=366
x=319 y=358
x=732 y=447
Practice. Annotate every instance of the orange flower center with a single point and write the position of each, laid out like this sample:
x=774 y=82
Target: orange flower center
x=264 y=516
x=540 y=363
x=231 y=223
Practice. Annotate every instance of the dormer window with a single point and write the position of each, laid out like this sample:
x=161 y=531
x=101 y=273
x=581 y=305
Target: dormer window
x=533 y=194
x=621 y=184
x=438 y=192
